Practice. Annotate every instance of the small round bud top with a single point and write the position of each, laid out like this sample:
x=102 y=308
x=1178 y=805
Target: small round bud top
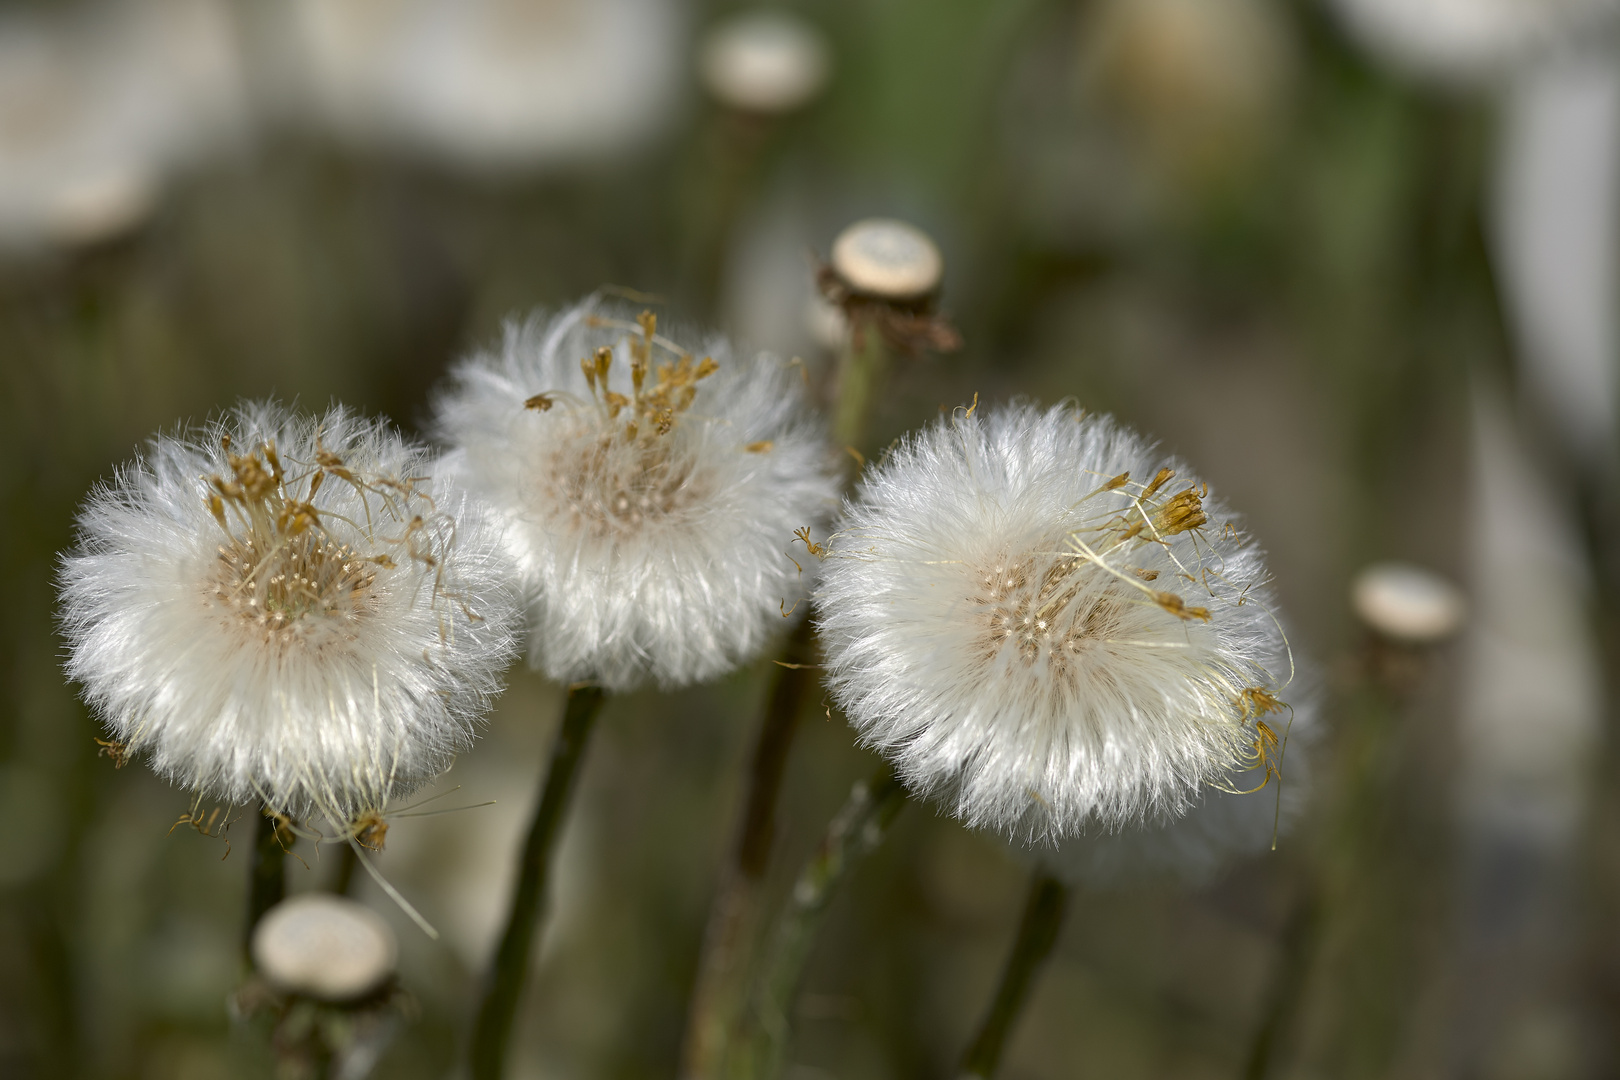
x=887 y=259
x=94 y=208
x=1407 y=603
x=650 y=491
x=324 y=946
x=1050 y=626
x=764 y=62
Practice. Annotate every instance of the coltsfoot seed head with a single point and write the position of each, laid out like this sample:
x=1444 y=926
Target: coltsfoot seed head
x=1049 y=626
x=289 y=610
x=650 y=492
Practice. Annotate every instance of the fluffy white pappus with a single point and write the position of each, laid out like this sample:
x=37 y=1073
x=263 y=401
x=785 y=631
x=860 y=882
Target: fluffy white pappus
x=1047 y=625
x=1240 y=818
x=1470 y=41
x=651 y=493
x=288 y=609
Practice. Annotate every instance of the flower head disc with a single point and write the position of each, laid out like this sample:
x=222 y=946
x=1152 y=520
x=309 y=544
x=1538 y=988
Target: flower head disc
x=650 y=491
x=287 y=609
x=1047 y=625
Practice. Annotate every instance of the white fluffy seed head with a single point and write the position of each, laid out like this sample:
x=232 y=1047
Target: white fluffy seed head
x=650 y=492
x=288 y=609
x=1050 y=626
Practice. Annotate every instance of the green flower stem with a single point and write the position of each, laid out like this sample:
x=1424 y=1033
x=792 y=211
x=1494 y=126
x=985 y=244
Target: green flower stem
x=858 y=828
x=493 y=1028
x=734 y=915
x=1281 y=1010
x=267 y=871
x=1037 y=934
x=863 y=366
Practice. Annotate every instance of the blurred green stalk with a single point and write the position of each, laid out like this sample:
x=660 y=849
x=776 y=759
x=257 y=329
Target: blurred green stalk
x=726 y=964
x=493 y=1029
x=858 y=828
x=1037 y=935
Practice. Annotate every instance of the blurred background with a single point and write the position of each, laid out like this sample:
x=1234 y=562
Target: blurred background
x=1354 y=260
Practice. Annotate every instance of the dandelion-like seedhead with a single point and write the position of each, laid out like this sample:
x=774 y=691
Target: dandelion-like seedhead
x=1049 y=626
x=288 y=609
x=650 y=492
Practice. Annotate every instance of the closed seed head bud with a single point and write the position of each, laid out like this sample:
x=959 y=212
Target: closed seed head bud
x=1048 y=625
x=887 y=259
x=324 y=946
x=650 y=492
x=288 y=609
x=763 y=61
x=1407 y=603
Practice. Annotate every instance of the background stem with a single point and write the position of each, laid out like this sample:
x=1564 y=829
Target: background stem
x=1037 y=934
x=857 y=829
x=728 y=940
x=267 y=872
x=494 y=1025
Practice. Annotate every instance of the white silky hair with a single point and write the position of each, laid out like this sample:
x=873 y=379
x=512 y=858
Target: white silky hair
x=659 y=557
x=1241 y=818
x=316 y=707
x=1044 y=623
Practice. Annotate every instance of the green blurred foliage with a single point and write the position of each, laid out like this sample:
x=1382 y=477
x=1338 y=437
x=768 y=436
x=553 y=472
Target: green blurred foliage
x=1273 y=262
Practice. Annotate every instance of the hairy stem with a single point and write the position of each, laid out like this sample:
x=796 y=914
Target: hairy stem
x=267 y=871
x=493 y=1028
x=1037 y=934
x=734 y=915
x=858 y=828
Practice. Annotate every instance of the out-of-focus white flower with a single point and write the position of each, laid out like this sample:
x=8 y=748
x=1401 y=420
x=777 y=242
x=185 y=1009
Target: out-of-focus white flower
x=97 y=106
x=1557 y=208
x=1532 y=702
x=288 y=609
x=1407 y=603
x=764 y=61
x=494 y=84
x=1470 y=40
x=1043 y=622
x=650 y=491
x=324 y=946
